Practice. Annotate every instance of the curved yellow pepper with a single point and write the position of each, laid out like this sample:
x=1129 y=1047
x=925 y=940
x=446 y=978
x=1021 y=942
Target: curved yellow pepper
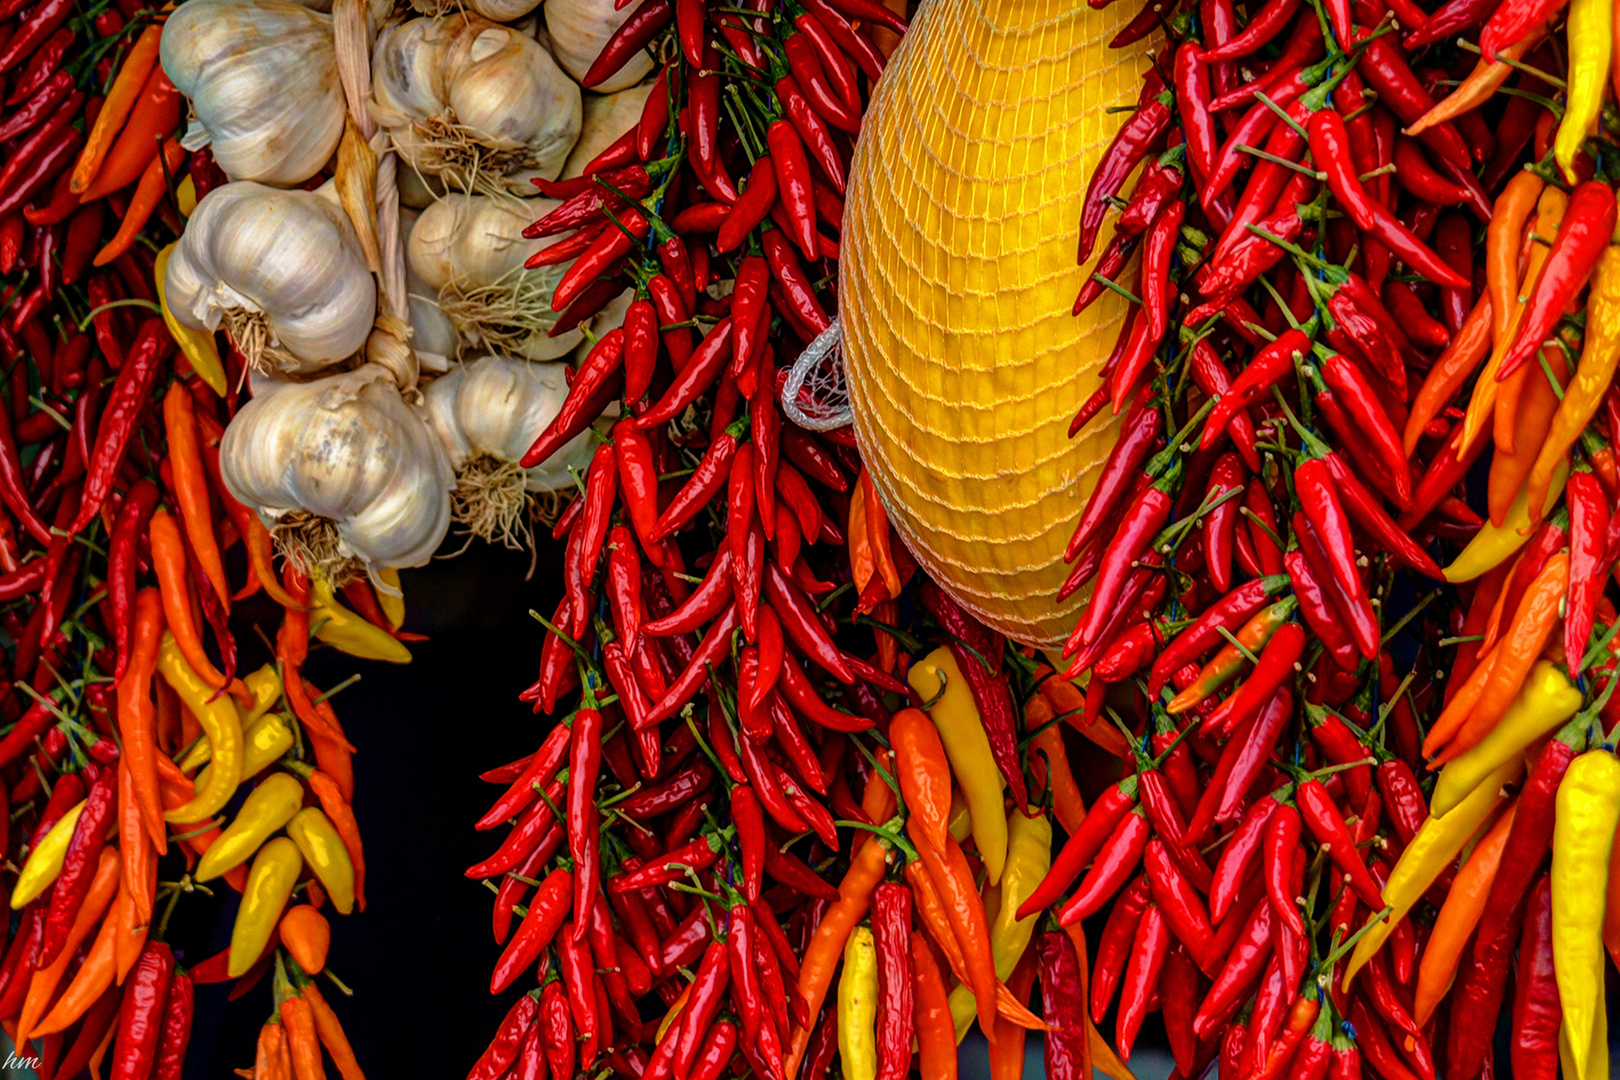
x=857 y=1007
x=45 y=861
x=263 y=743
x=1029 y=857
x=968 y=749
x=1587 y=812
x=1590 y=26
x=270 y=882
x=185 y=195
x=265 y=686
x=267 y=808
x=1494 y=545
x=220 y=722
x=1547 y=699
x=343 y=629
x=960 y=825
x=1437 y=843
x=197 y=345
x=390 y=598
x=328 y=858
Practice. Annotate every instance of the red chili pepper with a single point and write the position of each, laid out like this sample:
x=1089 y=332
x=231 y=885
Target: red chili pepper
x=628 y=40
x=1191 y=78
x=1281 y=842
x=584 y=764
x=1142 y=970
x=697 y=376
x=1116 y=860
x=816 y=139
x=79 y=865
x=1267 y=368
x=591 y=381
x=1178 y=902
x=1583 y=235
x=125 y=404
x=548 y=909
x=1220 y=525
x=41 y=23
x=1133 y=143
x=1266 y=24
x=140 y=1019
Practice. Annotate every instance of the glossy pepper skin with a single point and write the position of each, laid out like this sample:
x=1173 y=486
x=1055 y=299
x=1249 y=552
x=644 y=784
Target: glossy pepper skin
x=140 y=1020
x=891 y=936
x=1587 y=812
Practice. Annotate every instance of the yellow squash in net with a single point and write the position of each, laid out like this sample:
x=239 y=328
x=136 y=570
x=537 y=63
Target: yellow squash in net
x=958 y=275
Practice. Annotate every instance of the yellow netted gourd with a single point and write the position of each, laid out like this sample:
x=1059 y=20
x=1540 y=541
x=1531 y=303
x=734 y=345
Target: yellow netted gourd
x=963 y=362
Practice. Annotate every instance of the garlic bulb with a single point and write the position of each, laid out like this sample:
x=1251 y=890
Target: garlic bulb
x=281 y=269
x=481 y=106
x=607 y=116
x=263 y=82
x=487 y=414
x=502 y=11
x=432 y=335
x=470 y=248
x=579 y=29
x=342 y=470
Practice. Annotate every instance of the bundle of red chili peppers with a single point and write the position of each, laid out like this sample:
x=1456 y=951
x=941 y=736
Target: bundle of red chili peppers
x=1296 y=614
x=130 y=733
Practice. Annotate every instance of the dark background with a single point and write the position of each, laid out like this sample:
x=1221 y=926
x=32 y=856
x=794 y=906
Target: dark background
x=419 y=957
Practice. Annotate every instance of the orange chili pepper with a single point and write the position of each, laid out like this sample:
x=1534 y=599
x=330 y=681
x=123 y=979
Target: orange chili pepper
x=191 y=486
x=148 y=195
x=307 y=935
x=1465 y=903
x=931 y=913
x=154 y=118
x=303 y=1044
x=862 y=559
x=1537 y=404
x=1549 y=216
x=338 y=811
x=1457 y=710
x=139 y=857
x=877 y=531
x=103 y=887
x=273 y=1060
x=1049 y=763
x=129 y=932
x=1481 y=83
x=121 y=98
x=1007 y=1048
x=331 y=1034
x=948 y=869
x=1470 y=345
x=936 y=1033
x=95 y=974
x=923 y=771
x=137 y=716
x=826 y=946
x=1515 y=654
x=878 y=800
x=255 y=537
x=169 y=562
x=1069 y=702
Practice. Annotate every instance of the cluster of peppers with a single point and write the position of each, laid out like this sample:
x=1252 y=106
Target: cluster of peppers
x=137 y=766
x=1355 y=817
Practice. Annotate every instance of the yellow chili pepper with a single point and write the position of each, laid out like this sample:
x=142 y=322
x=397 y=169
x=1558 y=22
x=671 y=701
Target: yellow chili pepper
x=197 y=346
x=267 y=808
x=185 y=195
x=45 y=861
x=1029 y=857
x=220 y=722
x=265 y=686
x=960 y=825
x=1437 y=843
x=1591 y=22
x=343 y=629
x=318 y=841
x=1587 y=811
x=857 y=1007
x=936 y=678
x=1547 y=700
x=1494 y=545
x=390 y=598
x=1599 y=356
x=263 y=743
x=270 y=882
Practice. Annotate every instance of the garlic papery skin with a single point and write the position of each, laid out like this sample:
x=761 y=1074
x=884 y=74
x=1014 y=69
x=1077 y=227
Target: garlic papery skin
x=342 y=470
x=263 y=82
x=579 y=29
x=470 y=249
x=432 y=335
x=487 y=414
x=281 y=269
x=607 y=116
x=483 y=107
x=501 y=11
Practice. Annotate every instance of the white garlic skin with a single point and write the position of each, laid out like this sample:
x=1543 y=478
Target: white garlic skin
x=607 y=116
x=498 y=406
x=499 y=85
x=432 y=335
x=290 y=255
x=346 y=448
x=263 y=81
x=579 y=29
x=469 y=242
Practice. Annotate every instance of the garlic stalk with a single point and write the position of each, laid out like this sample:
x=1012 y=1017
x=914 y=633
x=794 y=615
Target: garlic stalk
x=470 y=249
x=487 y=414
x=478 y=105
x=607 y=116
x=342 y=471
x=281 y=270
x=579 y=29
x=263 y=83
